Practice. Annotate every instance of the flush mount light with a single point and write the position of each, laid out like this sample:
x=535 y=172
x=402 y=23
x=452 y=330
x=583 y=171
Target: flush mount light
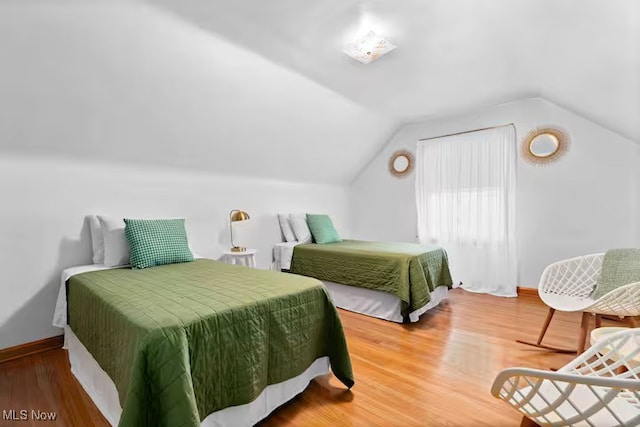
x=368 y=48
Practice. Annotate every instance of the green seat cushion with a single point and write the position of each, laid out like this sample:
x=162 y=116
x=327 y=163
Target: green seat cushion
x=322 y=229
x=619 y=267
x=156 y=242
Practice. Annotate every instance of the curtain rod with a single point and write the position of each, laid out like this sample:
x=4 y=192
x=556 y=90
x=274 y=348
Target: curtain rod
x=466 y=131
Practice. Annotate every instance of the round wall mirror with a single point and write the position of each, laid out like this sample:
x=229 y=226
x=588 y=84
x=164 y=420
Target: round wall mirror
x=544 y=145
x=401 y=163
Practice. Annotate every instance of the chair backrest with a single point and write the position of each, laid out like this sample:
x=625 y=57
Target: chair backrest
x=575 y=276
x=599 y=387
x=617 y=355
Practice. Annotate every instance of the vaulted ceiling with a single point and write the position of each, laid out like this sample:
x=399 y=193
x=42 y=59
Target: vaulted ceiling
x=452 y=55
x=126 y=82
x=262 y=88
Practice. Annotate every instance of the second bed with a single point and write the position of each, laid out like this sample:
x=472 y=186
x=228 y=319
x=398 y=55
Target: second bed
x=391 y=281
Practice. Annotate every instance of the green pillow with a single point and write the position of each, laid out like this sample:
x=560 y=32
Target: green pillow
x=619 y=267
x=156 y=242
x=322 y=229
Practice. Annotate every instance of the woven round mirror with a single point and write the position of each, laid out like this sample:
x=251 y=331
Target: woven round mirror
x=401 y=163
x=544 y=146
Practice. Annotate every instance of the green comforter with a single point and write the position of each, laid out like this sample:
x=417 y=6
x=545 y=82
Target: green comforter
x=181 y=341
x=406 y=270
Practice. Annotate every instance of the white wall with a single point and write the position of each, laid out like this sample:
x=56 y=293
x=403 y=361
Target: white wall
x=587 y=202
x=636 y=195
x=44 y=201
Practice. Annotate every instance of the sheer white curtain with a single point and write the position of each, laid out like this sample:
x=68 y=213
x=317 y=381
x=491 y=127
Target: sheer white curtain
x=465 y=195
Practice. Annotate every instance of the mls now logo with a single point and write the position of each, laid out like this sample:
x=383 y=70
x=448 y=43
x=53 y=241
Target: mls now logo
x=24 y=415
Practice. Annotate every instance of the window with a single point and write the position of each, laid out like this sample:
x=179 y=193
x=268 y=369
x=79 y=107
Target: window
x=465 y=197
x=473 y=218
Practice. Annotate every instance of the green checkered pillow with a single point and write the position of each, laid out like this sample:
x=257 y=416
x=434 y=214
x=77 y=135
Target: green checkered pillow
x=156 y=242
x=322 y=229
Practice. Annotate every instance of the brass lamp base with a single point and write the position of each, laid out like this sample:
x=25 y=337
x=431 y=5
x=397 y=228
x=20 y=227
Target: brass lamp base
x=238 y=249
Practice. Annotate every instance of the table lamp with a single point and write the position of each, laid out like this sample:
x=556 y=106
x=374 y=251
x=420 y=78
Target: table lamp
x=236 y=215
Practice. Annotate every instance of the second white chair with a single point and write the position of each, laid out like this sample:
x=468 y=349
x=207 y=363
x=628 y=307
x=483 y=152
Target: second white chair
x=600 y=388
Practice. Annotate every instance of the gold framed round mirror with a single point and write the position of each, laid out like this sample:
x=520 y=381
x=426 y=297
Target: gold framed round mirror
x=401 y=163
x=545 y=145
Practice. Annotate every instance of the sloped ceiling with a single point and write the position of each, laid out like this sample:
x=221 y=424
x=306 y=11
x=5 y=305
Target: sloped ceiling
x=261 y=88
x=452 y=55
x=124 y=81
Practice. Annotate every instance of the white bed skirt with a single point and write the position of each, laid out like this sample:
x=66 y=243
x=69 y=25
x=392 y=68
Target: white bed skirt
x=379 y=304
x=103 y=391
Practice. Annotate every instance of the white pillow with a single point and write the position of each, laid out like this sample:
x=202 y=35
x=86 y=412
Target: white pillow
x=97 y=240
x=116 y=247
x=300 y=227
x=285 y=226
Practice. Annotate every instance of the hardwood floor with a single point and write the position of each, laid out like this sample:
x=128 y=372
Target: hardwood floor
x=437 y=372
x=43 y=382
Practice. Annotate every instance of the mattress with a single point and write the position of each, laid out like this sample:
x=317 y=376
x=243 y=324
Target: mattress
x=170 y=336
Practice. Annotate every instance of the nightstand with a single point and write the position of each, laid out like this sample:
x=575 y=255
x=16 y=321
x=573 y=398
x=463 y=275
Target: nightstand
x=246 y=258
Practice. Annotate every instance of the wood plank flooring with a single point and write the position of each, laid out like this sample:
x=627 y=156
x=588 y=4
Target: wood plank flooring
x=437 y=372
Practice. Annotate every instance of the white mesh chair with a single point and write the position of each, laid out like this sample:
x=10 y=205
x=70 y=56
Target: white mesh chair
x=600 y=388
x=567 y=286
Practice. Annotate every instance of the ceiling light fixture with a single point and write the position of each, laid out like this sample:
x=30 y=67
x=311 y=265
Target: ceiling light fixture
x=368 y=48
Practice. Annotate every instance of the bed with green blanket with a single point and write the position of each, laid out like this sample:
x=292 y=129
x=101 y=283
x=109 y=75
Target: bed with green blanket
x=414 y=274
x=182 y=341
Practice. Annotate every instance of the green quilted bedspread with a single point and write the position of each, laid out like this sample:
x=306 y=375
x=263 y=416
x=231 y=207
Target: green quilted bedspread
x=184 y=340
x=406 y=270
